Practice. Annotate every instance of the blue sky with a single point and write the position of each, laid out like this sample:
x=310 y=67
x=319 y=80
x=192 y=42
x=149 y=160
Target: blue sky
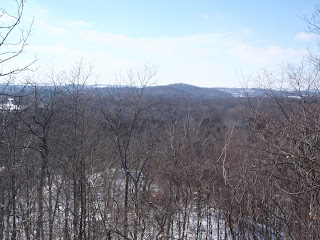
x=206 y=43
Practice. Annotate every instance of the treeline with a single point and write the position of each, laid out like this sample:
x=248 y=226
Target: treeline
x=86 y=163
x=122 y=163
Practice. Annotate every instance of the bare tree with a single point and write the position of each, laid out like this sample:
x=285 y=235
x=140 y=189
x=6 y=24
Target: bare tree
x=122 y=111
x=13 y=41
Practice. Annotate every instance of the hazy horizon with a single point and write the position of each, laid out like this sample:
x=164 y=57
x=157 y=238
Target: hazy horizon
x=203 y=43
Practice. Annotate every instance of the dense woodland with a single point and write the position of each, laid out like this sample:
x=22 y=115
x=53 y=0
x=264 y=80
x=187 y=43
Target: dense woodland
x=140 y=162
x=80 y=162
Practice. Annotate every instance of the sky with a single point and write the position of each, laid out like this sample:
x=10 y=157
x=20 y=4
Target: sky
x=207 y=43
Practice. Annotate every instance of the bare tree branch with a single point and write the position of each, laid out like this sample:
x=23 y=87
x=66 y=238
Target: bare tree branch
x=11 y=48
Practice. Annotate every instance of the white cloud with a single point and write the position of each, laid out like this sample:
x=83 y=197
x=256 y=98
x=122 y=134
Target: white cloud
x=57 y=48
x=264 y=56
x=308 y=37
x=57 y=31
x=77 y=24
x=191 y=46
x=192 y=59
x=201 y=59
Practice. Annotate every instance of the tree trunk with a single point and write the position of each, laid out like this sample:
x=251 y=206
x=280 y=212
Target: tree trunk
x=126 y=206
x=40 y=232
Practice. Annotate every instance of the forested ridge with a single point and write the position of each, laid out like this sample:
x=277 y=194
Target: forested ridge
x=80 y=162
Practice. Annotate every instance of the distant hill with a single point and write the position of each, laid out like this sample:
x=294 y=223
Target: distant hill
x=186 y=90
x=181 y=89
x=172 y=90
